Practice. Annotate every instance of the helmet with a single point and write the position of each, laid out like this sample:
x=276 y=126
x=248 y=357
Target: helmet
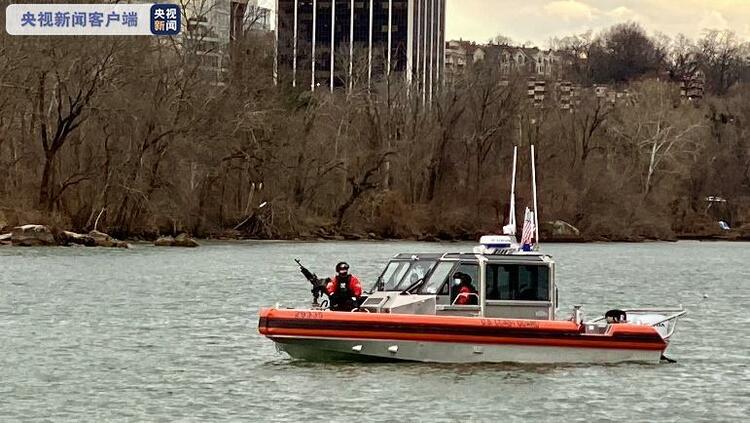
x=342 y=268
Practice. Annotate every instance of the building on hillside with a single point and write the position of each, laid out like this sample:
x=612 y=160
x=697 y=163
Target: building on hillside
x=461 y=54
x=526 y=60
x=347 y=42
x=692 y=87
x=509 y=59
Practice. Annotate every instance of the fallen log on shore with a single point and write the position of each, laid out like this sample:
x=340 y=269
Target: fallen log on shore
x=43 y=236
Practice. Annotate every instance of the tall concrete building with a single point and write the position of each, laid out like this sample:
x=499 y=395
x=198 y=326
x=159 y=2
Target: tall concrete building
x=340 y=43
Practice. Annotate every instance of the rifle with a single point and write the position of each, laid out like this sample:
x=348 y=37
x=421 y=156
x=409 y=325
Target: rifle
x=319 y=286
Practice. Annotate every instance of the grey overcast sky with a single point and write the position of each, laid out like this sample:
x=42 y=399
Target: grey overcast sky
x=538 y=20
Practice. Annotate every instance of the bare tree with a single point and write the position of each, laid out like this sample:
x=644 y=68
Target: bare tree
x=656 y=130
x=583 y=125
x=493 y=109
x=502 y=40
x=622 y=53
x=575 y=51
x=683 y=61
x=62 y=109
x=720 y=55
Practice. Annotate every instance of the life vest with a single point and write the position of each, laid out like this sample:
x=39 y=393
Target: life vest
x=465 y=292
x=341 y=298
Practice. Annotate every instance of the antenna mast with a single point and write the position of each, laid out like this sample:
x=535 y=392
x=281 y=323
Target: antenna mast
x=511 y=228
x=533 y=178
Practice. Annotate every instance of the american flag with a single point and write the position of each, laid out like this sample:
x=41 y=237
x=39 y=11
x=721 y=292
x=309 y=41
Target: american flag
x=527 y=238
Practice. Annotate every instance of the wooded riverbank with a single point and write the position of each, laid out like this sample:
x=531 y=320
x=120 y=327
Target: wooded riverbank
x=127 y=136
x=39 y=235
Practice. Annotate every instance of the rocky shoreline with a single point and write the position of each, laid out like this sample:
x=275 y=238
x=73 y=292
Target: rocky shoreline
x=44 y=236
x=551 y=232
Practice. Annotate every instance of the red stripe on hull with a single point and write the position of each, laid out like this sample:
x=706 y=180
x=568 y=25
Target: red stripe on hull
x=291 y=323
x=385 y=336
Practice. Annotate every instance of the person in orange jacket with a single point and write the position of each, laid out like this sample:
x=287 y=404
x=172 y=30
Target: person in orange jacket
x=344 y=289
x=466 y=291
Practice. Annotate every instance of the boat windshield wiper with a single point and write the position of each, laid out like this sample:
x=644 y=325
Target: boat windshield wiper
x=375 y=287
x=414 y=286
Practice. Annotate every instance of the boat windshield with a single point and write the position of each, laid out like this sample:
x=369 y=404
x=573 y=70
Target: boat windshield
x=399 y=275
x=437 y=278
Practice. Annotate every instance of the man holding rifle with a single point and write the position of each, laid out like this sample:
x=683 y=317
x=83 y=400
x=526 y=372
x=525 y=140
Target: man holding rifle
x=343 y=290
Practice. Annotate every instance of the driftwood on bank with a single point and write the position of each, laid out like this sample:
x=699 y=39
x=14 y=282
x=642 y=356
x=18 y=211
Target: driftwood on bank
x=104 y=240
x=5 y=238
x=72 y=238
x=43 y=236
x=559 y=231
x=32 y=236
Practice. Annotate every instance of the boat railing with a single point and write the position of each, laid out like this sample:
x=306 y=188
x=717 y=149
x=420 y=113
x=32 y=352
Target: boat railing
x=469 y=294
x=670 y=317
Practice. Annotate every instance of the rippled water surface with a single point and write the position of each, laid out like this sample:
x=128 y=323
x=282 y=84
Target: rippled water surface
x=163 y=335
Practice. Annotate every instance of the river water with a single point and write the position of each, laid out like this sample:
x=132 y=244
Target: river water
x=153 y=334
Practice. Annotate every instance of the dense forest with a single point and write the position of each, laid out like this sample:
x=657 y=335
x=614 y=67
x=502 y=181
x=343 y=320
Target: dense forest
x=126 y=134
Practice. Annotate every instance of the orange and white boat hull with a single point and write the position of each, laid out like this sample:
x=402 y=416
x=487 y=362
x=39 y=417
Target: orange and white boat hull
x=442 y=339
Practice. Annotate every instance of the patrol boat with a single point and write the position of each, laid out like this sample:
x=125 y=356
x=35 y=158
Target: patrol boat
x=416 y=312
x=417 y=318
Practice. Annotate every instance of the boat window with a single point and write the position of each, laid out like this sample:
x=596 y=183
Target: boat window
x=471 y=269
x=517 y=282
x=400 y=275
x=393 y=274
x=437 y=280
x=418 y=270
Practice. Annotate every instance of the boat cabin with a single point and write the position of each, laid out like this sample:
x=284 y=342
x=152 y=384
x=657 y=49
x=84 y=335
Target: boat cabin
x=509 y=284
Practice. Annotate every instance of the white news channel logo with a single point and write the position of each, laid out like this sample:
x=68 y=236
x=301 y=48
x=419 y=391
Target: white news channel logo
x=93 y=19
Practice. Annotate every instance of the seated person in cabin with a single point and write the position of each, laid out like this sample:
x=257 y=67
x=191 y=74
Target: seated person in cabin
x=466 y=293
x=416 y=274
x=527 y=294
